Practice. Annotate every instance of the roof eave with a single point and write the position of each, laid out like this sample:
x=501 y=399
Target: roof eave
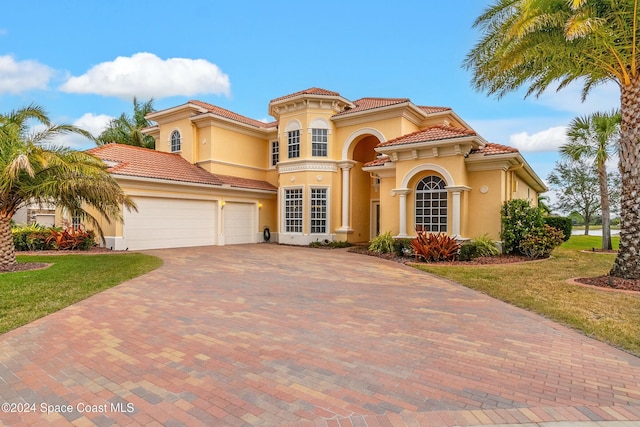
x=299 y=97
x=473 y=139
x=156 y=114
x=212 y=115
x=191 y=184
x=346 y=114
x=515 y=158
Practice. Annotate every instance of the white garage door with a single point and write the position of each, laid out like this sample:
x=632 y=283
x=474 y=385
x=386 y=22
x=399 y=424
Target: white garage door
x=239 y=223
x=170 y=223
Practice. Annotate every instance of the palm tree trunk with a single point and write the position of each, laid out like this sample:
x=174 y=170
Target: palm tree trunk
x=7 y=250
x=604 y=206
x=627 y=263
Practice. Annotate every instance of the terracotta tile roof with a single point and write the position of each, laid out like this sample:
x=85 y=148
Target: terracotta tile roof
x=145 y=163
x=433 y=133
x=310 y=91
x=219 y=111
x=363 y=104
x=492 y=149
x=380 y=161
x=430 y=110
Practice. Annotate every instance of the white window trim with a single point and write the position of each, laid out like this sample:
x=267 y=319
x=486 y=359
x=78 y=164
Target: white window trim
x=270 y=160
x=284 y=209
x=448 y=208
x=170 y=140
x=326 y=143
x=327 y=213
x=299 y=144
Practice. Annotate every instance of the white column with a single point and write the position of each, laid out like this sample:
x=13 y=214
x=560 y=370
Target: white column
x=402 y=194
x=346 y=172
x=456 y=207
x=455 y=214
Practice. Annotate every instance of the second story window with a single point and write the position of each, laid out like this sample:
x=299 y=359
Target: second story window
x=275 y=152
x=293 y=138
x=175 y=141
x=319 y=142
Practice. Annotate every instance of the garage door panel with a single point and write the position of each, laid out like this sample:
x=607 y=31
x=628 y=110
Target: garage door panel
x=170 y=223
x=239 y=223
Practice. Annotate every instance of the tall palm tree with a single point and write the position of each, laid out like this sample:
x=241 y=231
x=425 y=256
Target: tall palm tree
x=128 y=130
x=539 y=43
x=595 y=137
x=32 y=170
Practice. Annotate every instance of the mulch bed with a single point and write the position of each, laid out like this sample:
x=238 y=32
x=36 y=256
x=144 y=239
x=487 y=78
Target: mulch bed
x=502 y=259
x=27 y=266
x=607 y=282
x=610 y=282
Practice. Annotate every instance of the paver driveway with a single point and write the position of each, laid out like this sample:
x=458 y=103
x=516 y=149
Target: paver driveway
x=267 y=334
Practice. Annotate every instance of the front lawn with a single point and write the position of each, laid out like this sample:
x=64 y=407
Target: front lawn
x=541 y=287
x=29 y=295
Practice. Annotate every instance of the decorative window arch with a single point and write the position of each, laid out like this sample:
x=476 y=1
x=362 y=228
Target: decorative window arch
x=320 y=130
x=293 y=139
x=175 y=141
x=431 y=205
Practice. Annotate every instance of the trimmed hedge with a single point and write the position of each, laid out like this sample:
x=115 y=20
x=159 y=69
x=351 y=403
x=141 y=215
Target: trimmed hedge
x=561 y=223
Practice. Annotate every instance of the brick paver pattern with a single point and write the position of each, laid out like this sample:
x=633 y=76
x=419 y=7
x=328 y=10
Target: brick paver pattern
x=278 y=335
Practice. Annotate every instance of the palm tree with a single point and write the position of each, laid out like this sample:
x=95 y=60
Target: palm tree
x=33 y=170
x=539 y=43
x=543 y=204
x=128 y=130
x=596 y=137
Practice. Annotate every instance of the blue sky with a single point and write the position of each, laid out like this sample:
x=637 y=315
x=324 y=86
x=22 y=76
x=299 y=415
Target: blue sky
x=85 y=60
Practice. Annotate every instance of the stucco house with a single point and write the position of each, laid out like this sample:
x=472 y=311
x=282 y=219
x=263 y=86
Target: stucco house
x=327 y=168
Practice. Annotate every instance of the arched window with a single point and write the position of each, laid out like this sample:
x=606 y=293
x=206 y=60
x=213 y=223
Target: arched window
x=175 y=141
x=293 y=139
x=431 y=205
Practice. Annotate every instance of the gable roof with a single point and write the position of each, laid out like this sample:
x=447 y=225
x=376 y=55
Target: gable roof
x=310 y=91
x=222 y=112
x=491 y=149
x=140 y=162
x=363 y=104
x=433 y=133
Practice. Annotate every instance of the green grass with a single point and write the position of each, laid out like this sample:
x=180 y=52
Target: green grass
x=587 y=243
x=541 y=287
x=29 y=295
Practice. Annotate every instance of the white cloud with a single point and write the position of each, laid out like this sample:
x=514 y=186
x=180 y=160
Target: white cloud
x=93 y=123
x=20 y=76
x=546 y=140
x=145 y=75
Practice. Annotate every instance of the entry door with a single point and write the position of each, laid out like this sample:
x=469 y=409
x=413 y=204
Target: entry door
x=375 y=219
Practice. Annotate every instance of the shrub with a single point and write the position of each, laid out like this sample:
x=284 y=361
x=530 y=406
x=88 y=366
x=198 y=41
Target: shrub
x=518 y=219
x=39 y=238
x=560 y=222
x=30 y=238
x=382 y=244
x=402 y=247
x=541 y=241
x=482 y=246
x=332 y=245
x=72 y=238
x=435 y=246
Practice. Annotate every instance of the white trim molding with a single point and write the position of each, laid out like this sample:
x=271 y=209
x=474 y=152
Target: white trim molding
x=425 y=168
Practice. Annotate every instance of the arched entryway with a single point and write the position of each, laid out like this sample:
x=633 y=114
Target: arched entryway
x=360 y=192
